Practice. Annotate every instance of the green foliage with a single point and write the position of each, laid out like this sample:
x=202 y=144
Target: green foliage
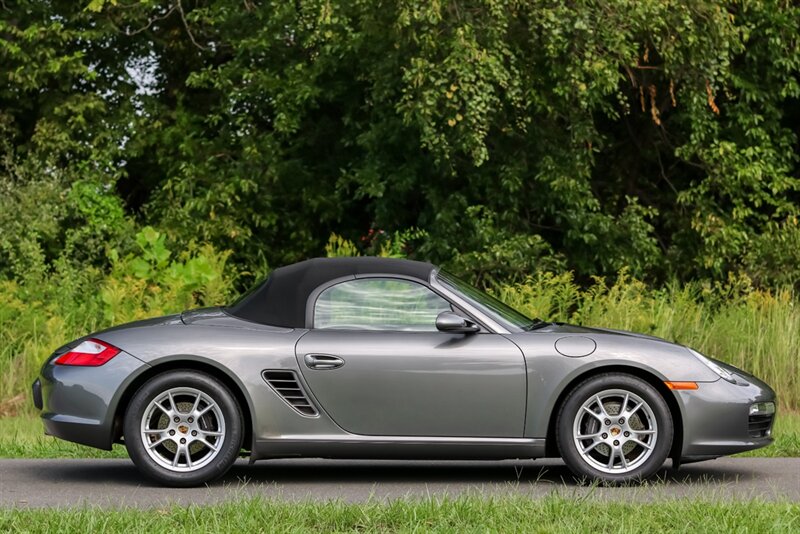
x=497 y=253
x=148 y=283
x=376 y=243
x=521 y=135
x=154 y=254
x=773 y=257
x=31 y=213
x=54 y=304
x=338 y=246
x=97 y=5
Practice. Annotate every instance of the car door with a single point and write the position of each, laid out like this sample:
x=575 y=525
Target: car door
x=376 y=363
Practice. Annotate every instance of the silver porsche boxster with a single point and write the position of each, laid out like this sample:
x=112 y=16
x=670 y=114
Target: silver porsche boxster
x=386 y=358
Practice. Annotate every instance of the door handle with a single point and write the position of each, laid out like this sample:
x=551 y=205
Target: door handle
x=323 y=361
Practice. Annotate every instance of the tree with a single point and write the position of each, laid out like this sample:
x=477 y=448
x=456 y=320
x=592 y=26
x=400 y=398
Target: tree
x=519 y=134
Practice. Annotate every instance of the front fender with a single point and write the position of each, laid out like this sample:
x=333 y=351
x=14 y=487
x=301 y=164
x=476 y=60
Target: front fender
x=551 y=373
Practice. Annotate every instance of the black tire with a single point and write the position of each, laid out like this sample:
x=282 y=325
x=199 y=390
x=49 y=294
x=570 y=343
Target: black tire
x=653 y=420
x=214 y=455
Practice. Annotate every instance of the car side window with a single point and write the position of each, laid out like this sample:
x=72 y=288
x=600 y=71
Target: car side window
x=379 y=304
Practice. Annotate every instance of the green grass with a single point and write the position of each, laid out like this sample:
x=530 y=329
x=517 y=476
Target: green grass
x=23 y=437
x=552 y=513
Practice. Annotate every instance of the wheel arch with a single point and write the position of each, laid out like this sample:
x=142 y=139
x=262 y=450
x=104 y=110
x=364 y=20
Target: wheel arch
x=187 y=362
x=551 y=447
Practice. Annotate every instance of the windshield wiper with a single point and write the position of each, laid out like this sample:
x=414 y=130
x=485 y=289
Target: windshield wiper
x=536 y=324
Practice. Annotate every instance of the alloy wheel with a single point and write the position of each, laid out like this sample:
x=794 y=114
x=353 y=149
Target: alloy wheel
x=615 y=431
x=183 y=429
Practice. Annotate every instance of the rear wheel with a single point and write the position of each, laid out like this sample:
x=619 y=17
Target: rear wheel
x=183 y=428
x=614 y=427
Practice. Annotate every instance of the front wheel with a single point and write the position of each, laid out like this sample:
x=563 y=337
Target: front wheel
x=614 y=428
x=183 y=428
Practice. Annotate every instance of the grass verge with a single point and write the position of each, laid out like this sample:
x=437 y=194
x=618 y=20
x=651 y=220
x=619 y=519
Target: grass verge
x=23 y=437
x=553 y=513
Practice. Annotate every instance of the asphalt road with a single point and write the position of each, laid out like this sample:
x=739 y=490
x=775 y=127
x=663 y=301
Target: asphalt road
x=113 y=483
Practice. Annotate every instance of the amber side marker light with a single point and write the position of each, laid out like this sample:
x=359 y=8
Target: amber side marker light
x=681 y=385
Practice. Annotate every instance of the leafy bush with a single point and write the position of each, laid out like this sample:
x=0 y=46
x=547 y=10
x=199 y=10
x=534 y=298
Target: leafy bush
x=376 y=243
x=521 y=135
x=773 y=258
x=55 y=304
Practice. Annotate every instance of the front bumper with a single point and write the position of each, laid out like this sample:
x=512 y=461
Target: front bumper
x=79 y=403
x=717 y=421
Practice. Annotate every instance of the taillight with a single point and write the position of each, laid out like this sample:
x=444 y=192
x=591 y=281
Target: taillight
x=90 y=353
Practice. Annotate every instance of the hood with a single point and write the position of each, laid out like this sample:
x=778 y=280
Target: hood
x=565 y=328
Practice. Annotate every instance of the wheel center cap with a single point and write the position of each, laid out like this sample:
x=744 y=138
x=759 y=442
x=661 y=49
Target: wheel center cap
x=183 y=429
x=615 y=431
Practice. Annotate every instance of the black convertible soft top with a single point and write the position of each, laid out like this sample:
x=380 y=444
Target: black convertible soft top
x=281 y=299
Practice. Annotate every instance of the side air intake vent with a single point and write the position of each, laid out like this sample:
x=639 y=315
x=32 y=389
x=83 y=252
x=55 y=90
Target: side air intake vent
x=286 y=385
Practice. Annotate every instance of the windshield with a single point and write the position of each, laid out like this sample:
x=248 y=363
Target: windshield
x=498 y=310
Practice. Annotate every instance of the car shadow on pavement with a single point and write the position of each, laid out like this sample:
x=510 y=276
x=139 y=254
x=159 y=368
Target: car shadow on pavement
x=287 y=472
x=357 y=472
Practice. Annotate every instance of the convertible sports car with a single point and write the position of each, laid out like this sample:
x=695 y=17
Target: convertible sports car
x=386 y=358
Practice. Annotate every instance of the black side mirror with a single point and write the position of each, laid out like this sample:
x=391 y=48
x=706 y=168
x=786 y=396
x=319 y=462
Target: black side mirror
x=448 y=321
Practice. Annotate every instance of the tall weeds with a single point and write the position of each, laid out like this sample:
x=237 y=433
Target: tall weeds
x=38 y=314
x=756 y=330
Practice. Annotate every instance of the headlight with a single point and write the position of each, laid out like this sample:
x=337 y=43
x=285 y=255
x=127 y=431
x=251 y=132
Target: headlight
x=711 y=364
x=762 y=408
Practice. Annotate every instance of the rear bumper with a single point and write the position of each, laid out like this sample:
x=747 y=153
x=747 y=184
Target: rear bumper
x=716 y=418
x=79 y=403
